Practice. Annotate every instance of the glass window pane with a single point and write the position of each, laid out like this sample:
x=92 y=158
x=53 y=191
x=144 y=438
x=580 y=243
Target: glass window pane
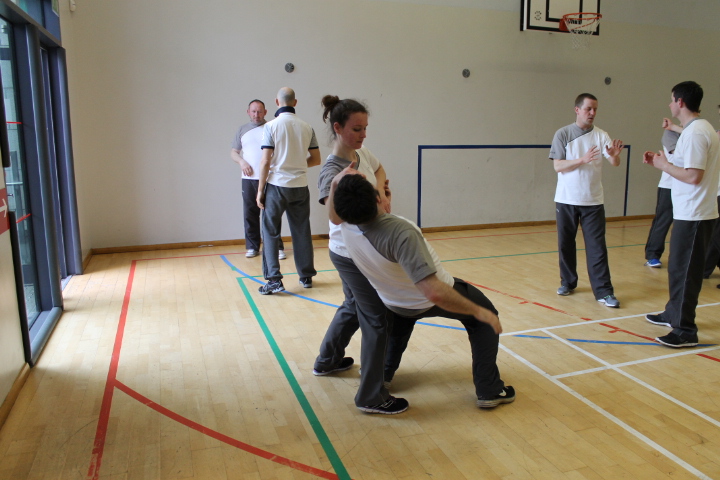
x=15 y=177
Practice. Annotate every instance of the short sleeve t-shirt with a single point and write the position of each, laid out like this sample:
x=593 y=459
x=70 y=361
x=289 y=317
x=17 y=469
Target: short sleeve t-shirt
x=582 y=186
x=393 y=255
x=248 y=140
x=367 y=164
x=290 y=138
x=698 y=147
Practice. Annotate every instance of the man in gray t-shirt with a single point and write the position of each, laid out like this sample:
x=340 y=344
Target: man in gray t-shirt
x=246 y=152
x=393 y=255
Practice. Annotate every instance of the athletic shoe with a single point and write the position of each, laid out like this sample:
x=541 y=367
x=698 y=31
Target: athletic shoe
x=610 y=301
x=657 y=320
x=654 y=263
x=675 y=341
x=273 y=286
x=344 y=364
x=392 y=406
x=306 y=282
x=564 y=291
x=506 y=396
x=281 y=255
x=251 y=253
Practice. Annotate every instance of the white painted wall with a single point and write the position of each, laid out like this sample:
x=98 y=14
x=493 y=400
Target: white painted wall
x=158 y=89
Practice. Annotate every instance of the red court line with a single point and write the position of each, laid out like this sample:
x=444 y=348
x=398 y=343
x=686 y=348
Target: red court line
x=529 y=301
x=708 y=357
x=614 y=329
x=112 y=382
x=102 y=426
x=223 y=438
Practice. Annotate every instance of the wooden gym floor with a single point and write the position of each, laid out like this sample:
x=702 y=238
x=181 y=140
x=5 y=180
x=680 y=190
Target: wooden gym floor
x=170 y=365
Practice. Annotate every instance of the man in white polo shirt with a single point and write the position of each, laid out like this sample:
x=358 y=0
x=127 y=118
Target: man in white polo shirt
x=695 y=170
x=576 y=152
x=289 y=149
x=246 y=152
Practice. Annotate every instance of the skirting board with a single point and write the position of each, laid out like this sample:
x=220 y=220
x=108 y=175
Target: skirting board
x=13 y=394
x=522 y=224
x=220 y=243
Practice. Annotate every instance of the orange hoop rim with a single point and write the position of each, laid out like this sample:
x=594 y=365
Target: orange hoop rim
x=590 y=17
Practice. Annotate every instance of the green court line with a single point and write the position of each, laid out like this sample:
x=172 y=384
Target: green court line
x=531 y=253
x=332 y=455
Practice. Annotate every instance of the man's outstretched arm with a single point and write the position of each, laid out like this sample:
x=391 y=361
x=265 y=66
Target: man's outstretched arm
x=444 y=296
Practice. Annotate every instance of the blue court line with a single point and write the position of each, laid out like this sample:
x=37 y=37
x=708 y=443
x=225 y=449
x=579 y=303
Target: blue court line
x=237 y=270
x=261 y=282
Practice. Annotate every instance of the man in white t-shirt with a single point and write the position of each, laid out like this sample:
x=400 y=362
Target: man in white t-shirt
x=400 y=264
x=695 y=170
x=289 y=149
x=576 y=152
x=246 y=152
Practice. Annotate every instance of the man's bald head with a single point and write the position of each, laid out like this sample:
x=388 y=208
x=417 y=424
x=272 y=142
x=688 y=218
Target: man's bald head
x=286 y=97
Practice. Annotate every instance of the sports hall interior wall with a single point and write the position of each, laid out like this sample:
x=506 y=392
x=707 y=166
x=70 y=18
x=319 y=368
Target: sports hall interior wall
x=158 y=89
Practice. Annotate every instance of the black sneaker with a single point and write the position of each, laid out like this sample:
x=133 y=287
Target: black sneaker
x=506 y=396
x=392 y=406
x=345 y=364
x=657 y=320
x=675 y=341
x=273 y=286
x=306 y=282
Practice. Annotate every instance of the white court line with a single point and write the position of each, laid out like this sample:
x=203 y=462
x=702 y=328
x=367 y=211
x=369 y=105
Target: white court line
x=637 y=380
x=589 y=322
x=695 y=351
x=611 y=417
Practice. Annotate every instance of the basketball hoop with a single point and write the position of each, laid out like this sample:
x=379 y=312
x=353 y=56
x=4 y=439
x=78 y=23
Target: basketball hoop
x=581 y=26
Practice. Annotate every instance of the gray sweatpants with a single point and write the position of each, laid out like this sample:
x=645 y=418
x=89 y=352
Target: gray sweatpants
x=362 y=308
x=592 y=220
x=295 y=203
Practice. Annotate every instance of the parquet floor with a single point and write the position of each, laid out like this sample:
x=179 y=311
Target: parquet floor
x=169 y=365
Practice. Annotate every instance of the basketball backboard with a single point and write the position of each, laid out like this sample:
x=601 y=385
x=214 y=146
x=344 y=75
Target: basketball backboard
x=546 y=14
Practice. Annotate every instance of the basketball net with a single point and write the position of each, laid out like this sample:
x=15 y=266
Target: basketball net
x=581 y=26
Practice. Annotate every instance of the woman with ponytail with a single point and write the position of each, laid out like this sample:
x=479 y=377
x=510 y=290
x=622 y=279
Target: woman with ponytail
x=362 y=307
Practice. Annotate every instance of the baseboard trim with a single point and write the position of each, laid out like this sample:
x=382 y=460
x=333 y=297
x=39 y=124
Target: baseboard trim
x=485 y=226
x=241 y=241
x=86 y=260
x=13 y=394
x=174 y=246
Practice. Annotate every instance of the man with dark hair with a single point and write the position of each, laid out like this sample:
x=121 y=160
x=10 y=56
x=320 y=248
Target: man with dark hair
x=289 y=149
x=576 y=153
x=400 y=264
x=695 y=170
x=246 y=152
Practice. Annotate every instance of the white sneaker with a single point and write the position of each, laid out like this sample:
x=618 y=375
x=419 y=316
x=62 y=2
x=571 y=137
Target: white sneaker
x=251 y=253
x=281 y=255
